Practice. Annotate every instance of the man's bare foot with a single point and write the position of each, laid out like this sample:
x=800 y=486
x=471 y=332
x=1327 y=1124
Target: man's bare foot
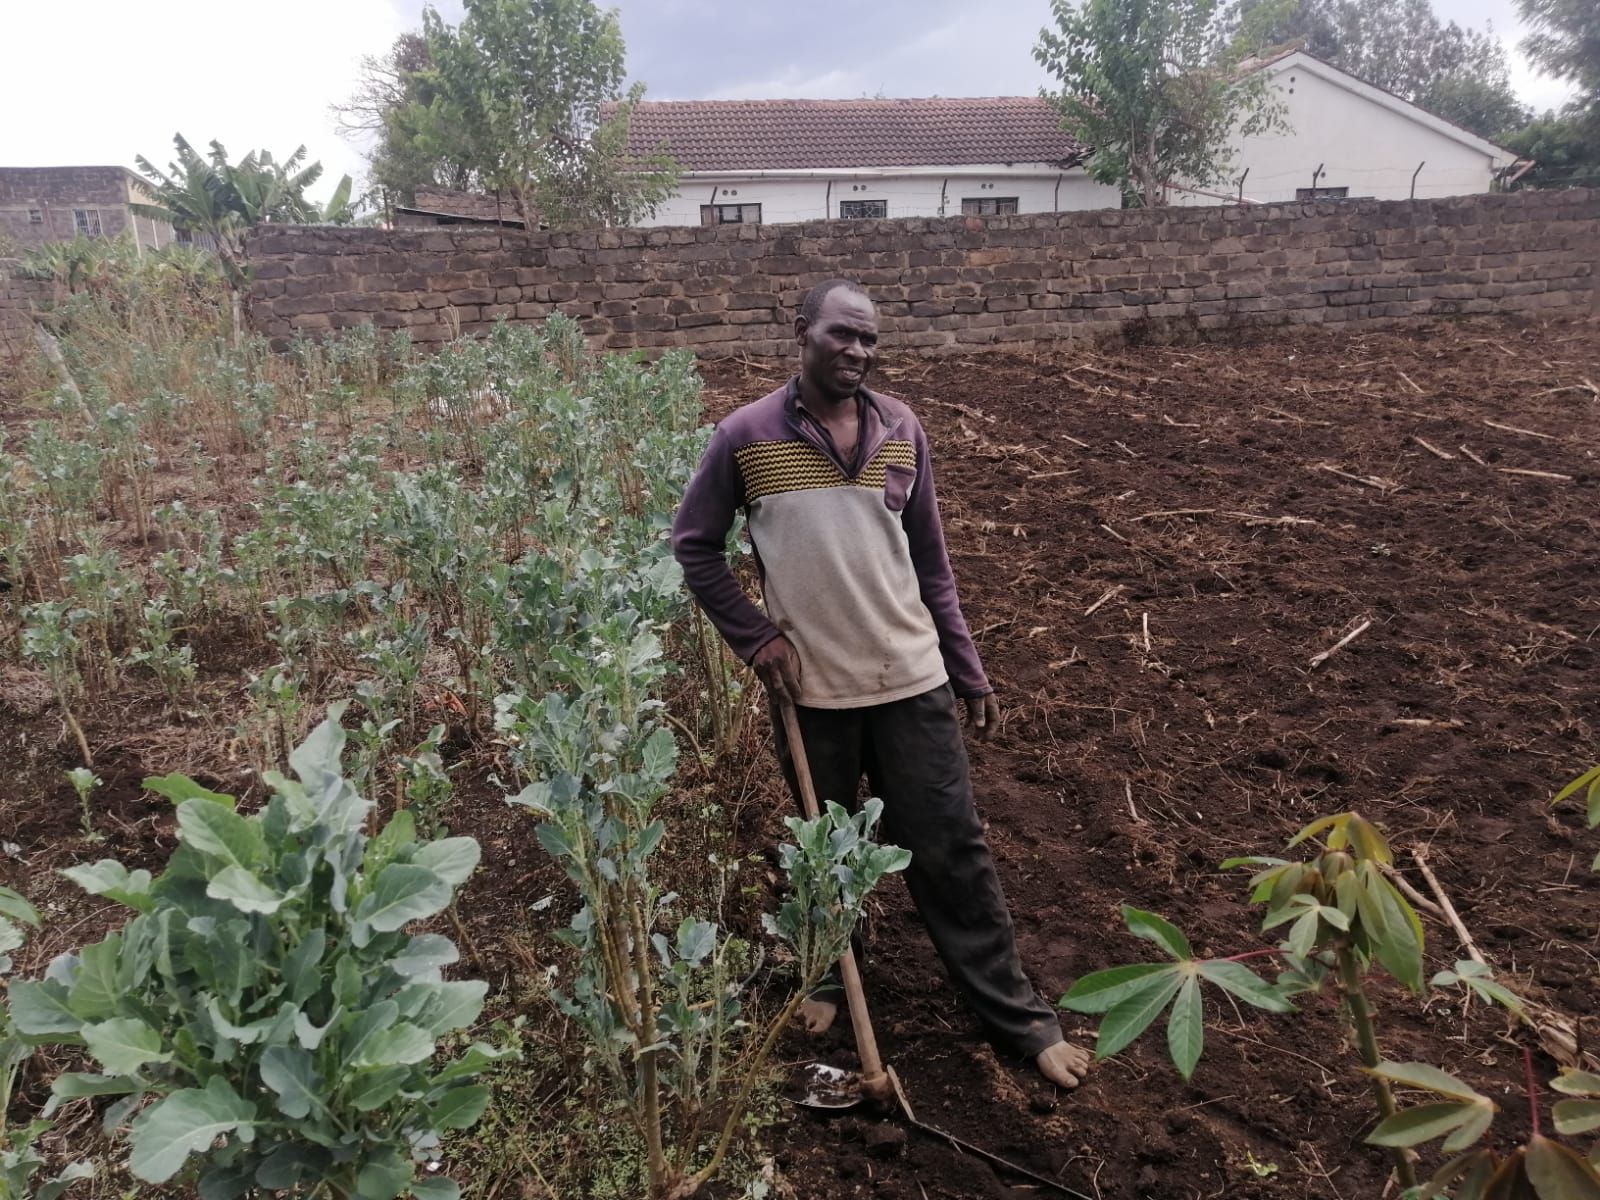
x=1063 y=1064
x=816 y=1016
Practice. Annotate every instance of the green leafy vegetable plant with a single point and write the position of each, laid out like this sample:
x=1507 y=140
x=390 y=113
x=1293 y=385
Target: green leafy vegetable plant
x=84 y=782
x=266 y=1012
x=20 y=1160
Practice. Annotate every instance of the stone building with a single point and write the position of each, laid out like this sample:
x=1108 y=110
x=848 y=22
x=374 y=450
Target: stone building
x=56 y=204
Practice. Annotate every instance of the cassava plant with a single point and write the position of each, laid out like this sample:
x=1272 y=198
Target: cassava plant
x=265 y=1018
x=1344 y=916
x=1539 y=1169
x=1589 y=784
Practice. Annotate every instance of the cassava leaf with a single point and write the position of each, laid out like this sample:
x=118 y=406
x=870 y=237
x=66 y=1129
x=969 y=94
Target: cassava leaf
x=1133 y=1014
x=1097 y=992
x=1471 y=1129
x=1320 y=825
x=1574 y=1082
x=1244 y=983
x=1414 y=1126
x=1426 y=1078
x=1157 y=929
x=1559 y=1174
x=1574 y=1117
x=1186 y=1029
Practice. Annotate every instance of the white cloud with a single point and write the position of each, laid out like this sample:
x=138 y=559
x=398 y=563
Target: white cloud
x=104 y=80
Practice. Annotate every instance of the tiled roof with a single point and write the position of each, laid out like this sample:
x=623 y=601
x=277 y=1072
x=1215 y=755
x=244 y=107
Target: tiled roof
x=768 y=135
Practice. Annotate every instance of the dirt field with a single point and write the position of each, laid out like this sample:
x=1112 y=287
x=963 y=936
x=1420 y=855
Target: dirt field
x=1194 y=485
x=1127 y=769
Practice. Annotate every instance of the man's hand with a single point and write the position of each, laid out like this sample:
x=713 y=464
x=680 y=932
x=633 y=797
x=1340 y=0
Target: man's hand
x=778 y=666
x=983 y=715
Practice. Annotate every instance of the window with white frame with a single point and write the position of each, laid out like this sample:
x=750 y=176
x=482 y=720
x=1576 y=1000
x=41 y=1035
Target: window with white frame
x=86 y=221
x=857 y=210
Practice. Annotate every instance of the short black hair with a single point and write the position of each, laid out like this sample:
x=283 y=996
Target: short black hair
x=812 y=304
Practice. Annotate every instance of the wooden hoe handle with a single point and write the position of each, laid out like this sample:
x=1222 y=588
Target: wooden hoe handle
x=875 y=1081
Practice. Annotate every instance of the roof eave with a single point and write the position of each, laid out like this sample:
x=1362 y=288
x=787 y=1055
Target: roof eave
x=1046 y=167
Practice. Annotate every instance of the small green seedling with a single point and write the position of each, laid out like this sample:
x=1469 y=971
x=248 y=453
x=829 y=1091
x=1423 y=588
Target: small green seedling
x=84 y=782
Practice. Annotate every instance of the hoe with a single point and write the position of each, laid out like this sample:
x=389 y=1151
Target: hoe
x=876 y=1086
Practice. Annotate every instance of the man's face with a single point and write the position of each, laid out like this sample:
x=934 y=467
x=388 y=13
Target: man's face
x=837 y=349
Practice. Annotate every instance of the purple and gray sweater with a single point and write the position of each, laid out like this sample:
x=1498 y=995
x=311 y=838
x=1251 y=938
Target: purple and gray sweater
x=852 y=557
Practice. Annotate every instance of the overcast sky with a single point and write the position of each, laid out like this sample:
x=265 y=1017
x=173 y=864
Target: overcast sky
x=103 y=80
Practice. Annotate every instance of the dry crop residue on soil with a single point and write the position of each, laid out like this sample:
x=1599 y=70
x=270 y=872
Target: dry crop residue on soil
x=1125 y=771
x=1194 y=485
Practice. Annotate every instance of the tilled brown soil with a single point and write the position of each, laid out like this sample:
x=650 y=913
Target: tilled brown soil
x=1192 y=483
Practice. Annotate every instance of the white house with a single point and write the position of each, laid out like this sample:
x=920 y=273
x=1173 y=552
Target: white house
x=769 y=161
x=1344 y=137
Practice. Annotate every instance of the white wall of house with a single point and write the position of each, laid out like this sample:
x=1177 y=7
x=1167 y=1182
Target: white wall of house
x=1365 y=139
x=921 y=192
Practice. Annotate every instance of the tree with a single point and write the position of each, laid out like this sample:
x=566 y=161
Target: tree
x=1565 y=42
x=1401 y=46
x=1564 y=147
x=525 y=97
x=396 y=90
x=1154 y=87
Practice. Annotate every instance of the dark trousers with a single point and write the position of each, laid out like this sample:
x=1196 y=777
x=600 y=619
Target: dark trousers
x=915 y=761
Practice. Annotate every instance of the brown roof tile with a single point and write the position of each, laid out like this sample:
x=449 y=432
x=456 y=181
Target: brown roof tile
x=755 y=135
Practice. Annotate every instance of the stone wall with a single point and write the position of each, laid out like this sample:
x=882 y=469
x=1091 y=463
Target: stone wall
x=952 y=284
x=17 y=297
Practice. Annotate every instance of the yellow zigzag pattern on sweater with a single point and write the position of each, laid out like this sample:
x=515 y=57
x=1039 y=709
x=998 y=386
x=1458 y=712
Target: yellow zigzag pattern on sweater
x=771 y=467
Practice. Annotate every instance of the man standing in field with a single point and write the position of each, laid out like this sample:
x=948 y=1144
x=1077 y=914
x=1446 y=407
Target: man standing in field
x=863 y=632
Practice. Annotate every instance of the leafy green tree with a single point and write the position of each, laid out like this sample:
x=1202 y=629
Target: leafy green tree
x=1565 y=42
x=526 y=99
x=1457 y=73
x=1564 y=147
x=386 y=113
x=1154 y=87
